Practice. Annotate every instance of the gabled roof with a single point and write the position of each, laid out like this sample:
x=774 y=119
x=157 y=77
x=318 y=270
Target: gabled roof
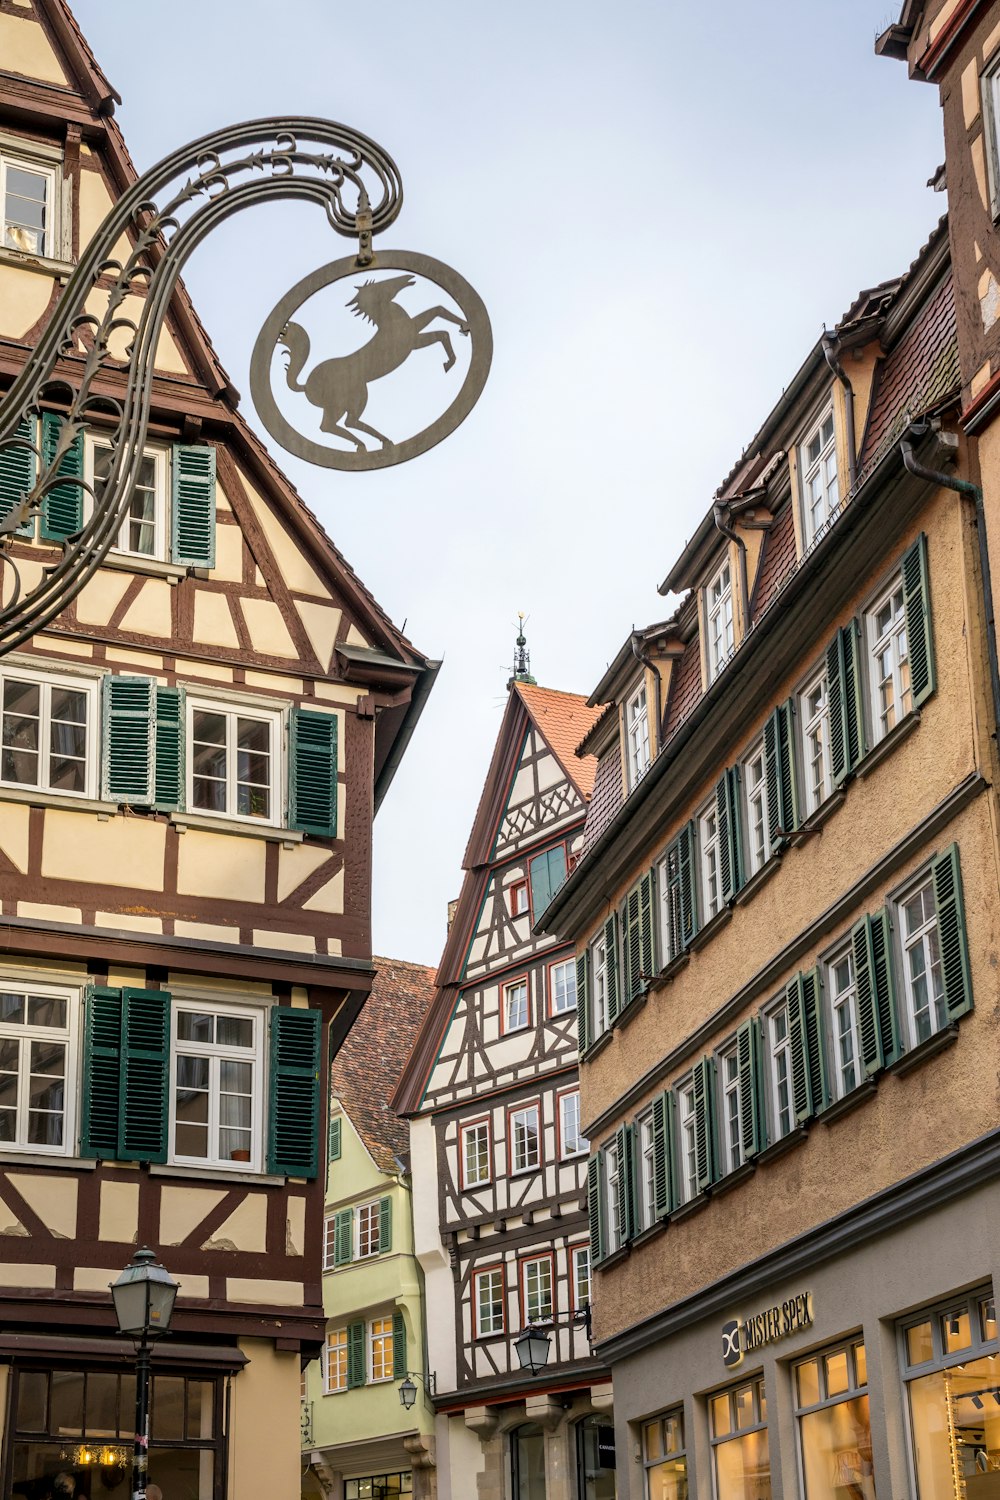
x=563 y=719
x=367 y=1068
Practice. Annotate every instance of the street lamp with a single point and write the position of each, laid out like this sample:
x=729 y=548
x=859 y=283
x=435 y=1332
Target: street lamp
x=533 y=1346
x=408 y=1391
x=144 y=1303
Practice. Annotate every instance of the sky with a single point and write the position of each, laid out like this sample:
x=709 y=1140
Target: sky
x=661 y=205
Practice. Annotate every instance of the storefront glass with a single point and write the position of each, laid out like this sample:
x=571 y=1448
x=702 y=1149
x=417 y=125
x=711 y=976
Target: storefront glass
x=527 y=1462
x=378 y=1487
x=663 y=1456
x=739 y=1441
x=955 y=1407
x=835 y=1425
x=595 y=1459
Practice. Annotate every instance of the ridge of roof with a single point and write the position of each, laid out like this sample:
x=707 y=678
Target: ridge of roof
x=564 y=719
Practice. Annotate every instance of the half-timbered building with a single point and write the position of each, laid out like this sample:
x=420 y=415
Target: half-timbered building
x=498 y=1154
x=190 y=755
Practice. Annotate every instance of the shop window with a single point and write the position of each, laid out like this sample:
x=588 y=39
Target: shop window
x=834 y=1422
x=740 y=1452
x=664 y=1457
x=952 y=1371
x=379 y=1486
x=595 y=1459
x=527 y=1462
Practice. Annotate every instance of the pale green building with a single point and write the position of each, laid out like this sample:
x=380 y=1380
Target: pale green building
x=359 y=1441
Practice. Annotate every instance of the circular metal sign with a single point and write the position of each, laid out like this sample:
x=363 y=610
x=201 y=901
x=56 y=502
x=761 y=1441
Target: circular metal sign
x=340 y=387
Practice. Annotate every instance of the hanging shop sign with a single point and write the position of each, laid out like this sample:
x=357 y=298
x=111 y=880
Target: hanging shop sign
x=742 y=1336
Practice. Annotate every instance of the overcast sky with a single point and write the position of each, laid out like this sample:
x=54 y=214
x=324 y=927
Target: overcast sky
x=660 y=204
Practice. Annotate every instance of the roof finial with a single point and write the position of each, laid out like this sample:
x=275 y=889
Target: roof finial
x=522 y=656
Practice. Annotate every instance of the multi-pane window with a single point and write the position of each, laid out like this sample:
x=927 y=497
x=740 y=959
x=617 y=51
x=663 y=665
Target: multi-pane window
x=758 y=813
x=835 y=1430
x=36 y=1065
x=613 y=1190
x=380 y=1348
x=519 y=899
x=382 y=1486
x=890 y=657
x=335 y=1362
x=143 y=532
x=739 y=1442
x=489 y=1302
x=815 y=711
x=599 y=965
x=232 y=762
x=515 y=1005
x=688 y=1138
x=581 y=1276
x=719 y=613
x=536 y=1289
x=475 y=1153
x=711 y=875
x=215 y=1105
x=48 y=726
x=329 y=1242
x=780 y=1059
x=572 y=1143
x=732 y=1145
x=637 y=735
x=562 y=987
x=27 y=195
x=664 y=1459
x=847 y=1067
x=670 y=920
x=820 y=483
x=367 y=1229
x=951 y=1366
x=525 y=1151
x=922 y=977
x=647 y=1171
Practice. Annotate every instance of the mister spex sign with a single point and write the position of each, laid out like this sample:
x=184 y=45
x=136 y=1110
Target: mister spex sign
x=742 y=1336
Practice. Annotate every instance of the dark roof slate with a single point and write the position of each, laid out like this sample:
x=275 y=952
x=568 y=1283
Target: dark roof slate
x=607 y=796
x=777 y=562
x=685 y=687
x=917 y=374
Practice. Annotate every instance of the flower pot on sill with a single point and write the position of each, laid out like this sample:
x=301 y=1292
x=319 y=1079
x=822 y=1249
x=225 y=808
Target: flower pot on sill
x=239 y=1156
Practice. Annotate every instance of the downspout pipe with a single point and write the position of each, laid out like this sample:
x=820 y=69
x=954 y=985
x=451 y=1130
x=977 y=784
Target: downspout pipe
x=972 y=492
x=641 y=656
x=831 y=350
x=720 y=511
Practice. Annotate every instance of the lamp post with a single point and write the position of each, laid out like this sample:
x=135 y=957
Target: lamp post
x=534 y=1344
x=144 y=1303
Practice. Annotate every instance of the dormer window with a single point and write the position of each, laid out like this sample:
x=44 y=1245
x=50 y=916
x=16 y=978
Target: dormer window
x=637 y=735
x=820 y=484
x=719 y=613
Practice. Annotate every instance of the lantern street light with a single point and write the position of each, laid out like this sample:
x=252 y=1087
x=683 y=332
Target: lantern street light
x=533 y=1346
x=144 y=1303
x=408 y=1391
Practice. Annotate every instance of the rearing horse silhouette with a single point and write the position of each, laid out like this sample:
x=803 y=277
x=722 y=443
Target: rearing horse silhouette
x=339 y=387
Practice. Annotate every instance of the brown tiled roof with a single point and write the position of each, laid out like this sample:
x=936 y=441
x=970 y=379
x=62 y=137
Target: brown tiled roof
x=368 y=1066
x=777 y=562
x=607 y=797
x=685 y=687
x=564 y=719
x=917 y=374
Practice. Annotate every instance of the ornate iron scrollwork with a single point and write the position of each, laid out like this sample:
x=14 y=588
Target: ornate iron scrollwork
x=168 y=212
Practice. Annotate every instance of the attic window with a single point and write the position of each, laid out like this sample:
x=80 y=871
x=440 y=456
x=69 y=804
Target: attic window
x=637 y=735
x=719 y=615
x=27 y=194
x=820 y=482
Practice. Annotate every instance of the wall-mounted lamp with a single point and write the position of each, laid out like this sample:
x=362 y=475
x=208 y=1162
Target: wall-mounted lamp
x=533 y=1346
x=408 y=1391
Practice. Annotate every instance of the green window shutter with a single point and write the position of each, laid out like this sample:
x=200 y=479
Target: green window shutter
x=333 y=1138
x=843 y=675
x=779 y=765
x=647 y=945
x=18 y=471
x=145 y=1075
x=384 y=1225
x=854 y=718
x=343 y=1237
x=631 y=948
x=356 y=1371
x=102 y=1072
x=582 y=1002
x=625 y=1142
x=62 y=505
x=805 y=1029
x=703 y=1081
x=547 y=871
x=398 y=1346
x=128 y=759
x=611 y=963
x=595 y=1209
x=681 y=888
x=664 y=1155
x=313 y=789
x=169 y=788
x=873 y=979
x=919 y=630
x=727 y=811
x=293 y=1136
x=951 y=933
x=193 y=506
x=748 y=1062
x=801 y=1083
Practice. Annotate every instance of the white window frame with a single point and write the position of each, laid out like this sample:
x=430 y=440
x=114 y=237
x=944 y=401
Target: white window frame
x=599 y=968
x=758 y=809
x=819 y=468
x=329 y=1388
x=842 y=1003
x=523 y=983
x=465 y=1132
x=990 y=83
x=927 y=938
x=387 y=1336
x=647 y=1177
x=25 y=1034
x=519 y=1119
x=612 y=1188
x=719 y=621
x=373 y=1212
x=899 y=671
x=687 y=1139
x=234 y=710
x=489 y=1274
x=46 y=681
x=566 y=967
x=569 y=1128
x=329 y=1242
x=816 y=741
x=579 y=1257
x=524 y=1269
x=637 y=735
x=730 y=1100
x=217 y=1053
x=709 y=866
x=51 y=242
x=777 y=1028
x=161 y=461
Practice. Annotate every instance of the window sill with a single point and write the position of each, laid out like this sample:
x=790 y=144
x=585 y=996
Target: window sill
x=939 y=1042
x=217 y=1174
x=42 y=1159
x=32 y=795
x=525 y=1171
x=614 y=1257
x=45 y=265
x=627 y=1016
x=650 y=1231
x=818 y=817
x=288 y=837
x=860 y=1095
x=153 y=566
x=787 y=1143
x=670 y=971
x=888 y=742
x=711 y=927
x=604 y=1040
x=770 y=867
x=734 y=1179
x=688 y=1210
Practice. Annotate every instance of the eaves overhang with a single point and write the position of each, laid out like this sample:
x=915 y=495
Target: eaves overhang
x=409 y=716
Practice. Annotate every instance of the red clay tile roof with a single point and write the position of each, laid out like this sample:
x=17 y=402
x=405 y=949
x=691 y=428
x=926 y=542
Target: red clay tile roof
x=777 y=562
x=685 y=687
x=608 y=796
x=917 y=374
x=368 y=1066
x=564 y=719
